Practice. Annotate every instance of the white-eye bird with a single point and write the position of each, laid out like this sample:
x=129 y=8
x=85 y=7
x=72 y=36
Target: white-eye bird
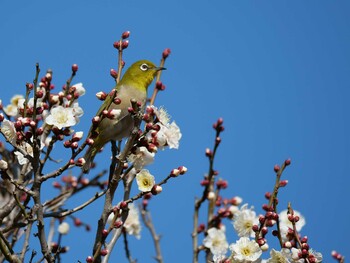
x=133 y=85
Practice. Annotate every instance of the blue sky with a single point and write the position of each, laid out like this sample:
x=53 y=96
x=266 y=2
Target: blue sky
x=276 y=71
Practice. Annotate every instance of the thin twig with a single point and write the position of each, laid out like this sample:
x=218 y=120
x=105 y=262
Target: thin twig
x=147 y=220
x=127 y=250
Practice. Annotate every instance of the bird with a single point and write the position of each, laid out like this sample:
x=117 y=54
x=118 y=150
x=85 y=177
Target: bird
x=133 y=85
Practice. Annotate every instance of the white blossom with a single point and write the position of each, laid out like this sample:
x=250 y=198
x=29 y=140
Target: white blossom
x=78 y=111
x=132 y=224
x=79 y=89
x=216 y=242
x=161 y=114
x=61 y=117
x=243 y=221
x=11 y=109
x=9 y=131
x=145 y=181
x=285 y=224
x=28 y=149
x=279 y=257
x=284 y=221
x=245 y=251
x=63 y=228
x=295 y=252
x=115 y=113
x=168 y=135
x=141 y=158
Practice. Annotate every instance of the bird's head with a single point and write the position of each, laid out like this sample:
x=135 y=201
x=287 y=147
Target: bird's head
x=140 y=74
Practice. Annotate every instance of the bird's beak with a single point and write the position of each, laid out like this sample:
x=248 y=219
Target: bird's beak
x=159 y=68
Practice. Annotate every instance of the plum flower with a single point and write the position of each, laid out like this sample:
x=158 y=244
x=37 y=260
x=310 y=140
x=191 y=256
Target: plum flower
x=61 y=117
x=63 y=228
x=9 y=131
x=169 y=134
x=141 y=157
x=79 y=89
x=284 y=221
x=244 y=220
x=245 y=250
x=285 y=224
x=145 y=181
x=132 y=224
x=216 y=242
x=11 y=109
x=279 y=257
x=27 y=148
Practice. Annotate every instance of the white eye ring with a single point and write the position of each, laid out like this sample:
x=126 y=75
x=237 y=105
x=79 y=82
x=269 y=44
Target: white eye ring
x=144 y=67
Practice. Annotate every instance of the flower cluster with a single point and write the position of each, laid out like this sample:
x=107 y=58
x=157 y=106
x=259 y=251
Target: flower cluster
x=28 y=121
x=250 y=228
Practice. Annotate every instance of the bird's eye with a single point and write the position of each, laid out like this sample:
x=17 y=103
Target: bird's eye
x=144 y=67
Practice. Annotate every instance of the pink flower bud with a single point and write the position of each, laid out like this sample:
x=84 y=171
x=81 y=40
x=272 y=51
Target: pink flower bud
x=113 y=73
x=29 y=86
x=201 y=228
x=39 y=94
x=174 y=172
x=77 y=136
x=264 y=230
x=287 y=162
x=74 y=145
x=149 y=110
x=159 y=85
x=80 y=162
x=204 y=182
x=283 y=183
x=77 y=222
x=1 y=117
x=208 y=152
x=118 y=224
x=255 y=228
x=117 y=101
x=156 y=189
x=166 y=53
x=125 y=44
x=57 y=185
x=84 y=181
x=74 y=68
x=116 y=44
x=113 y=114
x=147 y=196
x=67 y=144
x=123 y=205
x=101 y=95
x=125 y=34
x=104 y=232
x=236 y=200
x=89 y=141
x=104 y=252
x=96 y=120
x=54 y=98
x=48 y=76
x=276 y=168
x=89 y=259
